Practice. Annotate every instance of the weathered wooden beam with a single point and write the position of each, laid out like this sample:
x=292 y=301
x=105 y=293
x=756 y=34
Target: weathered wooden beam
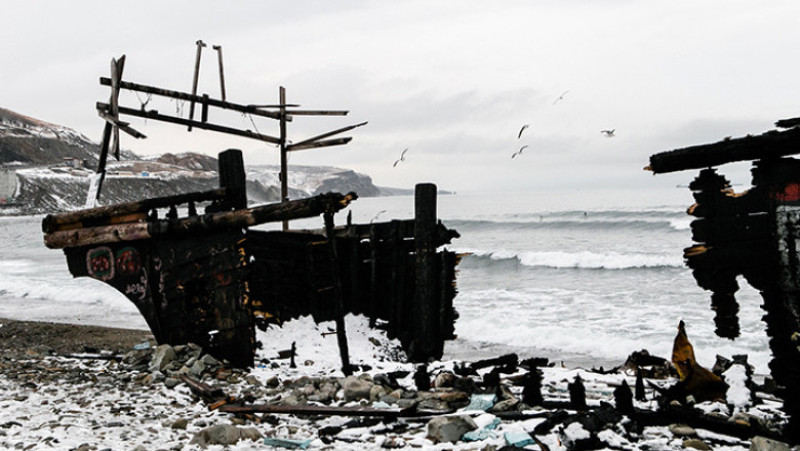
x=317 y=112
x=318 y=144
x=772 y=144
x=338 y=301
x=426 y=299
x=250 y=109
x=351 y=411
x=57 y=221
x=296 y=209
x=124 y=126
x=325 y=135
x=154 y=115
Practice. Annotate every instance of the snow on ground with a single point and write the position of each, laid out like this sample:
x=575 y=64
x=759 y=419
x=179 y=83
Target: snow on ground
x=63 y=403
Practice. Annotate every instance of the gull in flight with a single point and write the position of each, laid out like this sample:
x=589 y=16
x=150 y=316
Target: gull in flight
x=522 y=130
x=519 y=152
x=561 y=97
x=608 y=133
x=402 y=157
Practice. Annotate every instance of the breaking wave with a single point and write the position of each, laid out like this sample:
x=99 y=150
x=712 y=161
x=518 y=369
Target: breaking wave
x=578 y=260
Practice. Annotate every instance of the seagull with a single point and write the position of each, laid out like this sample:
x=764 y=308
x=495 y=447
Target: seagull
x=376 y=216
x=402 y=157
x=522 y=130
x=519 y=152
x=561 y=97
x=608 y=133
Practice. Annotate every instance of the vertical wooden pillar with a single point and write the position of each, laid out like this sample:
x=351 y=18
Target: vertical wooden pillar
x=426 y=300
x=232 y=178
x=284 y=160
x=338 y=302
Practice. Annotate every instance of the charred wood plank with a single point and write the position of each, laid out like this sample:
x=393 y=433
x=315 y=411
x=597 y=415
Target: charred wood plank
x=101 y=215
x=250 y=109
x=322 y=410
x=296 y=209
x=772 y=144
x=156 y=116
x=338 y=302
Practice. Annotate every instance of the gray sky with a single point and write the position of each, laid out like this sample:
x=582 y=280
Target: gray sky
x=452 y=81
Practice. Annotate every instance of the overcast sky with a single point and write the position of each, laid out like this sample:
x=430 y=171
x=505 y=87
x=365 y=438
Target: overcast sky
x=452 y=81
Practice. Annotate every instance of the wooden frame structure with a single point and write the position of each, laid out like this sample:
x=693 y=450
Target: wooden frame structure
x=755 y=234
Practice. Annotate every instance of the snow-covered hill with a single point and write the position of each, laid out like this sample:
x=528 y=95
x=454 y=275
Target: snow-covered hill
x=46 y=168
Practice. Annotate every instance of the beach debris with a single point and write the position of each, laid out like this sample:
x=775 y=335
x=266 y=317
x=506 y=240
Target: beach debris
x=518 y=439
x=577 y=393
x=288 y=443
x=224 y=434
x=696 y=384
x=623 y=398
x=639 y=393
x=450 y=428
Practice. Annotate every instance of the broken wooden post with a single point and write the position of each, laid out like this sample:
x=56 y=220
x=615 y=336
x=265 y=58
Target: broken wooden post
x=426 y=302
x=232 y=178
x=338 y=304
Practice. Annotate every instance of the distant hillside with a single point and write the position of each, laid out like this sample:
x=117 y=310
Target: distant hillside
x=46 y=167
x=31 y=142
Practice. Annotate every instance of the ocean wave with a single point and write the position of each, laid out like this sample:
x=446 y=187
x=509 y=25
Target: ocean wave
x=604 y=223
x=579 y=260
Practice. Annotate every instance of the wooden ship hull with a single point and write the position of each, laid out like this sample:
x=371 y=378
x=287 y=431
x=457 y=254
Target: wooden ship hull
x=211 y=278
x=756 y=235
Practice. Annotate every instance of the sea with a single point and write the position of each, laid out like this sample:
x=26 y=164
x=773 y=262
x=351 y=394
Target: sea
x=583 y=278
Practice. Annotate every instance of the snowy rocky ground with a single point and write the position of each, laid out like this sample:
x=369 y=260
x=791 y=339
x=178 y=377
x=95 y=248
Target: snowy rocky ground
x=95 y=401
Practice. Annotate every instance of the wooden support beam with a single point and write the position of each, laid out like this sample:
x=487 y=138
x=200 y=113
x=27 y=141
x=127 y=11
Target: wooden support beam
x=426 y=299
x=154 y=115
x=338 y=302
x=54 y=222
x=318 y=144
x=772 y=144
x=227 y=220
x=316 y=112
x=250 y=109
x=325 y=135
x=124 y=126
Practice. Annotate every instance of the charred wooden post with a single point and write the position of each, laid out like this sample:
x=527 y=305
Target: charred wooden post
x=426 y=306
x=338 y=304
x=756 y=235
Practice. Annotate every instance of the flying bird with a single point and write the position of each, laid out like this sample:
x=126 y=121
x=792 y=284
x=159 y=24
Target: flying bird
x=561 y=97
x=608 y=133
x=522 y=130
x=402 y=158
x=376 y=216
x=519 y=152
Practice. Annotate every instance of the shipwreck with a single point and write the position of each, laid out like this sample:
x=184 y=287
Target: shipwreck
x=211 y=278
x=754 y=234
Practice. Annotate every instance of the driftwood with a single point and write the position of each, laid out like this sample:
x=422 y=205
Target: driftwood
x=772 y=144
x=208 y=393
x=326 y=410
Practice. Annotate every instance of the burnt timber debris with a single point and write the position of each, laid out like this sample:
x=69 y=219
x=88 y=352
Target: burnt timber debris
x=754 y=234
x=211 y=279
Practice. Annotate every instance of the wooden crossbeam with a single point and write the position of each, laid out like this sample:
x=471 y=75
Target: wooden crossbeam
x=155 y=115
x=250 y=109
x=303 y=144
x=317 y=144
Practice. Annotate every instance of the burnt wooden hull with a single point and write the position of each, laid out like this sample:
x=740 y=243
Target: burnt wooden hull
x=189 y=290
